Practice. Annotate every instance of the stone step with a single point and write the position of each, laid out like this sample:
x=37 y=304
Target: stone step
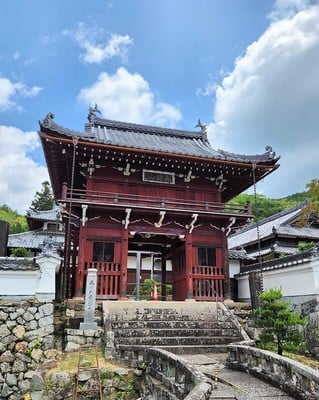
x=177 y=349
x=173 y=332
x=176 y=341
x=158 y=324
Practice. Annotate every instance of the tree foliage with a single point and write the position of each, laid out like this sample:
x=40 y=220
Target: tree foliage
x=280 y=325
x=263 y=207
x=310 y=213
x=17 y=223
x=43 y=200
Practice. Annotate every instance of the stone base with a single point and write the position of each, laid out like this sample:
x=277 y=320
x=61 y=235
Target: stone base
x=88 y=326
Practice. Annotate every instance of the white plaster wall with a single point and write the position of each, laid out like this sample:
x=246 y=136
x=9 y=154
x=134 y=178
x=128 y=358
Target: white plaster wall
x=243 y=288
x=234 y=267
x=18 y=283
x=31 y=283
x=49 y=265
x=297 y=281
x=293 y=281
x=146 y=263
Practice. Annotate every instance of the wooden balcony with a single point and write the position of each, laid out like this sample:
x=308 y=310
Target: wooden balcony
x=133 y=201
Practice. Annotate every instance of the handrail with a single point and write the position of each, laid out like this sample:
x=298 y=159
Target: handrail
x=139 y=201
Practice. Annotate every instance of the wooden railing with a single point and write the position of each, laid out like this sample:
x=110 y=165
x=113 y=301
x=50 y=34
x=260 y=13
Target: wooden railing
x=151 y=202
x=108 y=278
x=208 y=282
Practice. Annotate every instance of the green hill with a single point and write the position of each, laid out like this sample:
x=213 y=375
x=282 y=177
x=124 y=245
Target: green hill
x=17 y=222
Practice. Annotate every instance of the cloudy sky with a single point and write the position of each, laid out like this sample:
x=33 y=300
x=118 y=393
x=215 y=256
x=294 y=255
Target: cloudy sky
x=248 y=69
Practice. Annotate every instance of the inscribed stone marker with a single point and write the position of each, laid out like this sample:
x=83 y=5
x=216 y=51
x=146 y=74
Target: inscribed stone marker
x=90 y=298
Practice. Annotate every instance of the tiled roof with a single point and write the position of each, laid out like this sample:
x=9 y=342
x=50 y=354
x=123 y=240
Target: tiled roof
x=234 y=254
x=249 y=233
x=34 y=239
x=289 y=261
x=300 y=232
x=18 y=264
x=48 y=215
x=172 y=141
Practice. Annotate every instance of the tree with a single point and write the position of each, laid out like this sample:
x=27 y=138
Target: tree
x=280 y=325
x=44 y=199
x=309 y=215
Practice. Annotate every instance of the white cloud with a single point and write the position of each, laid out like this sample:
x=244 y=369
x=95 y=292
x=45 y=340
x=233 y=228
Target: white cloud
x=95 y=52
x=127 y=97
x=272 y=96
x=284 y=9
x=10 y=91
x=20 y=176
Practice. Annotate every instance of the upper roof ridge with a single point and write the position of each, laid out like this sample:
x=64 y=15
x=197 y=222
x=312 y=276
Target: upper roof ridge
x=146 y=128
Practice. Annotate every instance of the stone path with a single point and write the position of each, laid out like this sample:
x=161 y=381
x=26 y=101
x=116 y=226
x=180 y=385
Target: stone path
x=233 y=384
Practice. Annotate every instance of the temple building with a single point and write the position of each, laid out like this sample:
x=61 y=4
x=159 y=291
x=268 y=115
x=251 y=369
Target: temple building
x=128 y=192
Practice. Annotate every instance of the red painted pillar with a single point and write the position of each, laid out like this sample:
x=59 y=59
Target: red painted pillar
x=189 y=266
x=124 y=257
x=227 y=291
x=164 y=293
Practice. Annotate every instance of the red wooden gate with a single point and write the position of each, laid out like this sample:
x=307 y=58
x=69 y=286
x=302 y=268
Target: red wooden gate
x=208 y=283
x=108 y=278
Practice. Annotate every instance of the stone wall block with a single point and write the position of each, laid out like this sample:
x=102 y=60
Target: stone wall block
x=45 y=309
x=37 y=382
x=11 y=380
x=20 y=320
x=37 y=355
x=11 y=324
x=28 y=316
x=39 y=333
x=23 y=357
x=4 y=331
x=19 y=332
x=6 y=391
x=5 y=367
x=19 y=366
x=13 y=316
x=24 y=386
x=3 y=316
x=31 y=325
x=71 y=347
x=44 y=321
x=9 y=340
x=7 y=357
x=61 y=379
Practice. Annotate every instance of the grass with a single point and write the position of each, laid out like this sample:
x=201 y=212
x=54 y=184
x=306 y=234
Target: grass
x=69 y=361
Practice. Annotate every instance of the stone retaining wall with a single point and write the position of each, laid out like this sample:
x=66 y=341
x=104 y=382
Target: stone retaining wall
x=177 y=379
x=26 y=341
x=298 y=380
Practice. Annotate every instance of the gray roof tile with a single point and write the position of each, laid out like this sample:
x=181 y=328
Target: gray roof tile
x=172 y=141
x=249 y=233
x=18 y=264
x=34 y=239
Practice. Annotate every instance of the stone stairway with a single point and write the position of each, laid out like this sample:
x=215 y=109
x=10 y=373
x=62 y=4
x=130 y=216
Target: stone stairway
x=178 y=327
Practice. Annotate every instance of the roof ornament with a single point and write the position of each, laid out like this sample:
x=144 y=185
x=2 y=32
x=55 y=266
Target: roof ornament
x=48 y=119
x=203 y=129
x=270 y=152
x=92 y=113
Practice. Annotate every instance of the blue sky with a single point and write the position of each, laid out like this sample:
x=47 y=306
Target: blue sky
x=248 y=69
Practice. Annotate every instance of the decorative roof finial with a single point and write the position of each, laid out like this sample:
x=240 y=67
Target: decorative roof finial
x=92 y=113
x=203 y=129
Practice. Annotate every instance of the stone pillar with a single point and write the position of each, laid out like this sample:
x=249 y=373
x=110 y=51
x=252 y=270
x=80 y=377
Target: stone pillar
x=90 y=299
